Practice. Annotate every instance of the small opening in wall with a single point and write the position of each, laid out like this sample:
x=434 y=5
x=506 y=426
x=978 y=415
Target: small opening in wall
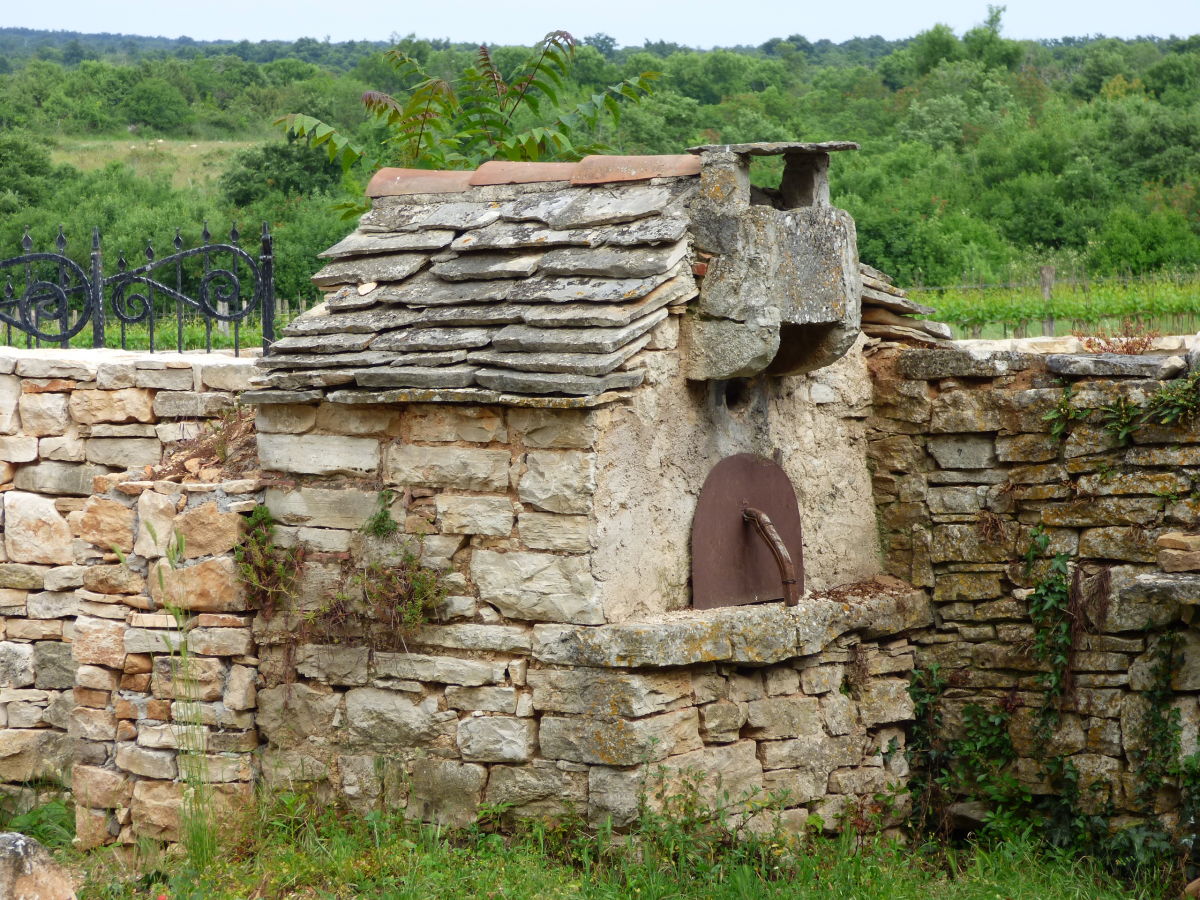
x=802 y=179
x=737 y=394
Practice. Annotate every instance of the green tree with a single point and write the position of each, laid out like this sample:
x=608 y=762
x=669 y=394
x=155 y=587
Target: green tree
x=159 y=104
x=482 y=114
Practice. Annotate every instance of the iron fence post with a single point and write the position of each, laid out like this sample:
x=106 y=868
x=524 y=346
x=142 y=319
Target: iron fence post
x=97 y=298
x=267 y=271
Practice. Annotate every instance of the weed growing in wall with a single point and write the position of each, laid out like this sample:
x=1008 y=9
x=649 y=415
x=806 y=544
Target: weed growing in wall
x=267 y=571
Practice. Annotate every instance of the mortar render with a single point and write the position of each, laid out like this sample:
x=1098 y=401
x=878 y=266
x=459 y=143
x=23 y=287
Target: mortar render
x=654 y=454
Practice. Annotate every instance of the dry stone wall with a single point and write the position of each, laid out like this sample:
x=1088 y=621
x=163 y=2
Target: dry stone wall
x=966 y=466
x=68 y=419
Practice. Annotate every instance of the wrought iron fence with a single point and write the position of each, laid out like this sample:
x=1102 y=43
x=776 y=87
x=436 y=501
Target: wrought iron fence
x=212 y=284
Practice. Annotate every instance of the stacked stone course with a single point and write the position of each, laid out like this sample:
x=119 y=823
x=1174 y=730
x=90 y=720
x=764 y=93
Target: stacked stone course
x=965 y=467
x=68 y=419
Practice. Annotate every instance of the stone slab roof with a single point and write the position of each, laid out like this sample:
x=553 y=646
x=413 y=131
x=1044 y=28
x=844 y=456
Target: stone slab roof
x=499 y=281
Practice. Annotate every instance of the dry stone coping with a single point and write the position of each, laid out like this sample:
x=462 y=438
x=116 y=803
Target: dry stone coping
x=1116 y=364
x=753 y=634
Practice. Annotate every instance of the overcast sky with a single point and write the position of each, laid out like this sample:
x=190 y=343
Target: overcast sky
x=700 y=23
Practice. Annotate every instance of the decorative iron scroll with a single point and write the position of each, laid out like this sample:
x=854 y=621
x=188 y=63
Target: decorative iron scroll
x=60 y=298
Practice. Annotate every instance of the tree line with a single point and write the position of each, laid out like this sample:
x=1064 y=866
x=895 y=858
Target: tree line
x=982 y=157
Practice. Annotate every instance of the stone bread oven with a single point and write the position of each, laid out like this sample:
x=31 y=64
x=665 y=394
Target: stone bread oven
x=543 y=363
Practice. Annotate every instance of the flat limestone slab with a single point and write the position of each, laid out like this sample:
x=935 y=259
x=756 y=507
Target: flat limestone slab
x=523 y=338
x=555 y=383
x=360 y=243
x=418 y=376
x=572 y=363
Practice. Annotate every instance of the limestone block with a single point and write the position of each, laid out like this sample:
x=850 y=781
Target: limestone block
x=29 y=754
x=100 y=787
x=474 y=515
x=722 y=721
x=91 y=828
x=231 y=376
x=445 y=792
x=51 y=604
x=485 y=699
x=558 y=481
x=963 y=451
x=16 y=664
x=476 y=425
x=190 y=678
x=156 y=519
x=500 y=638
x=884 y=700
x=838 y=711
x=105 y=523
x=240 y=689
x=34 y=531
x=728 y=774
x=558 y=429
x=10 y=395
x=322 y=507
x=14 y=576
x=1126 y=544
x=586 y=691
x=284 y=418
x=209 y=586
x=537 y=790
x=124 y=453
x=454 y=467
x=124 y=405
x=44 y=414
x=291 y=713
x=1148 y=600
x=613 y=794
x=220 y=641
x=537 y=586
x=18 y=448
x=968 y=411
x=1026 y=448
x=822 y=679
x=49 y=477
x=190 y=405
x=1178 y=540
x=318 y=454
x=496 y=739
x=115 y=579
x=817 y=753
x=157 y=808
x=389 y=719
x=440 y=669
x=54 y=665
x=206 y=531
x=147 y=762
x=783 y=717
x=342 y=419
x=63 y=578
x=93 y=724
x=164 y=379
x=719 y=349
x=333 y=664
x=613 y=741
x=99 y=642
x=97 y=677
x=153 y=640
x=549 y=531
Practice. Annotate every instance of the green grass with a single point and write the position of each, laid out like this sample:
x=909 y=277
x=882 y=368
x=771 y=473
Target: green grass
x=1169 y=304
x=188 y=163
x=300 y=848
